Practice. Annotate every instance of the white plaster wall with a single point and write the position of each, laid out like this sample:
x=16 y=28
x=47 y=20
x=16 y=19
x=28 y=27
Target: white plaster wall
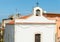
x=34 y=11
x=26 y=32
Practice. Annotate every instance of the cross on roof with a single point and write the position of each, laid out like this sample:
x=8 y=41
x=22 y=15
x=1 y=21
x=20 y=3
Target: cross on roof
x=37 y=3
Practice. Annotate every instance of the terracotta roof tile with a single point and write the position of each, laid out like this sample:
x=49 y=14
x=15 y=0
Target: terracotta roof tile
x=11 y=22
x=25 y=17
x=44 y=14
x=51 y=14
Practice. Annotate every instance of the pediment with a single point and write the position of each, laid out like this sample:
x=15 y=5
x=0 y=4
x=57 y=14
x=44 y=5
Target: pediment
x=36 y=19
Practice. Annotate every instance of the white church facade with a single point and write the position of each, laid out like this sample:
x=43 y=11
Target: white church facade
x=35 y=27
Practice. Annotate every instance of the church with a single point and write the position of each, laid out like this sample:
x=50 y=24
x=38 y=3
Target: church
x=39 y=26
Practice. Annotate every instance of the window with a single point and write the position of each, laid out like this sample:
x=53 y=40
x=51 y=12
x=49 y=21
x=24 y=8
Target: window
x=58 y=39
x=37 y=12
x=37 y=37
x=59 y=28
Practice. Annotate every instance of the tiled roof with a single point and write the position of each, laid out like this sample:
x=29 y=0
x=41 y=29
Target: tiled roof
x=44 y=14
x=11 y=22
x=25 y=17
x=51 y=14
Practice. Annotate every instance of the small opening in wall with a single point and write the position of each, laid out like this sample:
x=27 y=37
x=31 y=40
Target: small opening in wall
x=58 y=37
x=59 y=28
x=37 y=12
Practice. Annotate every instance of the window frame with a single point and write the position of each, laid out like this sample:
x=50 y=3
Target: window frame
x=38 y=37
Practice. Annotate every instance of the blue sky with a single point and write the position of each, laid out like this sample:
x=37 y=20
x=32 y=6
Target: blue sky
x=24 y=7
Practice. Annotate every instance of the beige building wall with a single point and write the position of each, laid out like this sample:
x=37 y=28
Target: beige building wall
x=58 y=29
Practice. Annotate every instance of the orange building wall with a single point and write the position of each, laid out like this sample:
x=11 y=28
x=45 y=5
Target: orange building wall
x=58 y=29
x=57 y=35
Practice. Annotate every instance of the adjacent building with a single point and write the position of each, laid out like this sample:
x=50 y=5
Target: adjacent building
x=1 y=33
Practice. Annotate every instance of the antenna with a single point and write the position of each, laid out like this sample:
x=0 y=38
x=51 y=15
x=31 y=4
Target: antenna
x=37 y=3
x=16 y=10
